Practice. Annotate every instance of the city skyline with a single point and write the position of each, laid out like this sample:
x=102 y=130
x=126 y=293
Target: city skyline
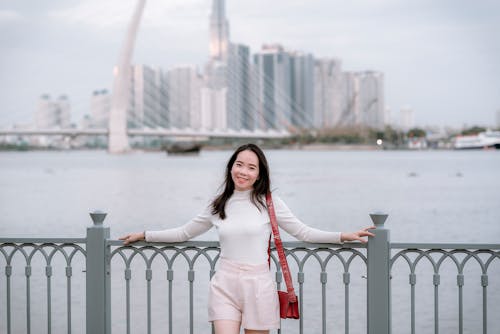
x=452 y=97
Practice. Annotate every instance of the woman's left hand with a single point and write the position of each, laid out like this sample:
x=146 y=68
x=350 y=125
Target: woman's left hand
x=358 y=235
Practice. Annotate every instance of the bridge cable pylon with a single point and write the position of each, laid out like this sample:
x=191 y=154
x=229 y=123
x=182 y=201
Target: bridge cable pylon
x=118 y=138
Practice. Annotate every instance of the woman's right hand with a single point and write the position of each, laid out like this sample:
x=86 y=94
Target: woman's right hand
x=132 y=237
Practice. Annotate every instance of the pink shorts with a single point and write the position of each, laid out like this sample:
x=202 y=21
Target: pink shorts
x=245 y=293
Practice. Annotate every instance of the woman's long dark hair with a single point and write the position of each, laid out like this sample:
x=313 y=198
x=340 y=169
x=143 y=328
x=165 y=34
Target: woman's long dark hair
x=260 y=187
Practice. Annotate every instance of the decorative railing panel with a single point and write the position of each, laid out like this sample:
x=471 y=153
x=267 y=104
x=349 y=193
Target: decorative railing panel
x=197 y=260
x=450 y=261
x=42 y=256
x=162 y=260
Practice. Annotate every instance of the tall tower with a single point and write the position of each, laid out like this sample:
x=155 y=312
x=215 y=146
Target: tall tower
x=53 y=113
x=371 y=99
x=273 y=75
x=239 y=91
x=100 y=104
x=219 y=31
x=406 y=118
x=327 y=92
x=301 y=89
x=184 y=94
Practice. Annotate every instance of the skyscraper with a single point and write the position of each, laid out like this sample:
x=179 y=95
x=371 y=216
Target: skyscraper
x=240 y=114
x=406 y=118
x=273 y=75
x=349 y=103
x=301 y=89
x=350 y=98
x=214 y=92
x=53 y=113
x=219 y=31
x=371 y=99
x=148 y=106
x=214 y=96
x=184 y=89
x=327 y=92
x=100 y=105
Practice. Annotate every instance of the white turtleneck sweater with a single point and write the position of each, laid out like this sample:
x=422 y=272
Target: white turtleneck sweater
x=244 y=234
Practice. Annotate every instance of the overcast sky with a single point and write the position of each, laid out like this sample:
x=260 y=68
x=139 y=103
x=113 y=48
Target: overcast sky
x=439 y=57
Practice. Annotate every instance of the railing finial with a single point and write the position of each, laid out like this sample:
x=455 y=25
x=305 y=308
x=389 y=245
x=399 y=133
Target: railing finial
x=98 y=216
x=379 y=218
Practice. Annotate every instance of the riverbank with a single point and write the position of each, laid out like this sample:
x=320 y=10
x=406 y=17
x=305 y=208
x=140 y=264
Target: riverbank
x=219 y=147
x=231 y=146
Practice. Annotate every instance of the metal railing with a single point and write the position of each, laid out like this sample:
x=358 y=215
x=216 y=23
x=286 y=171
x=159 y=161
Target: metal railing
x=459 y=255
x=99 y=257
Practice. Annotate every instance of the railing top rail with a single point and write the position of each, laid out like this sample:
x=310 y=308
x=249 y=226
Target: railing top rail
x=405 y=245
x=287 y=244
x=112 y=242
x=43 y=240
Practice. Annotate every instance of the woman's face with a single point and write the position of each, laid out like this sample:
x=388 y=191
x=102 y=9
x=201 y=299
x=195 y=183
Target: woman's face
x=245 y=170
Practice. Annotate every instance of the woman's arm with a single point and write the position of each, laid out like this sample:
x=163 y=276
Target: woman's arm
x=198 y=225
x=292 y=225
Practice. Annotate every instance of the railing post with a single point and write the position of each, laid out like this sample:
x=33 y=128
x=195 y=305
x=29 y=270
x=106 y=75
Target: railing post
x=379 y=286
x=98 y=277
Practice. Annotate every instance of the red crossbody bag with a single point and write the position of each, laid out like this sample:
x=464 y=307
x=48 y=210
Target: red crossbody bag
x=289 y=303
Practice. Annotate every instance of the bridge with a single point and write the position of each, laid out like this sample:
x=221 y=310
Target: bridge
x=169 y=132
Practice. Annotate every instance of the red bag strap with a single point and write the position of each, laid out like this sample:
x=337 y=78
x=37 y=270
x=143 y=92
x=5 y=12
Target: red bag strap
x=279 y=247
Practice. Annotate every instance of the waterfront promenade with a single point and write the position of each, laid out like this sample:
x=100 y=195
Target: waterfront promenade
x=104 y=257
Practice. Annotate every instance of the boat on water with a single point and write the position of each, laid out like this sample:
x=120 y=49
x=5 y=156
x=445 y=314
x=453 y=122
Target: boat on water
x=483 y=140
x=183 y=148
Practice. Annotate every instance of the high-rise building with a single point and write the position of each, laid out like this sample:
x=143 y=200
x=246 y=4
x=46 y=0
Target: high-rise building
x=213 y=108
x=100 y=105
x=184 y=103
x=285 y=81
x=301 y=89
x=371 y=99
x=327 y=92
x=148 y=105
x=214 y=96
x=219 y=31
x=406 y=121
x=53 y=114
x=44 y=117
x=348 y=98
x=240 y=106
x=272 y=75
x=389 y=117
x=64 y=111
x=349 y=102
x=225 y=101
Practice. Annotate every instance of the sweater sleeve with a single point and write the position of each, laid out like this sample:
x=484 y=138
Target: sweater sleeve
x=293 y=226
x=196 y=226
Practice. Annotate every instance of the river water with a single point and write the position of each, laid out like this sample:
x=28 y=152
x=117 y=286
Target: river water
x=430 y=196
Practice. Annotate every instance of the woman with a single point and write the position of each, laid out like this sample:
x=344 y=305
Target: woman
x=242 y=292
